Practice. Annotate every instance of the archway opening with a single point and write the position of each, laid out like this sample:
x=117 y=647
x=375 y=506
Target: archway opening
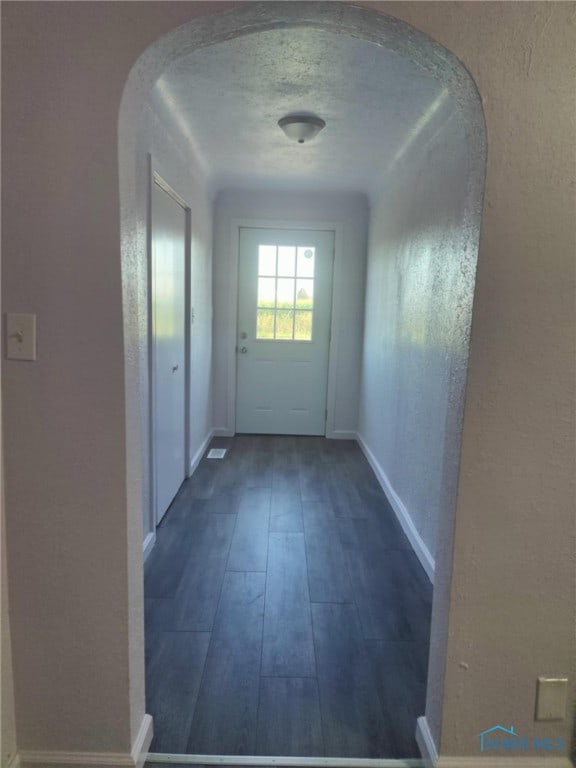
x=425 y=201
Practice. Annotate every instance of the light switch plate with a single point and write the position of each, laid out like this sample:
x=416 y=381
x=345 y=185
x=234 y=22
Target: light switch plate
x=551 y=698
x=20 y=336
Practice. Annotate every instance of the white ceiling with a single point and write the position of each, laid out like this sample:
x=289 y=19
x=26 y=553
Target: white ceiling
x=227 y=100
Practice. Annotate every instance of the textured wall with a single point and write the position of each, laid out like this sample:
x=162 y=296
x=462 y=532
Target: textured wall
x=75 y=543
x=419 y=295
x=64 y=414
x=350 y=211
x=73 y=625
x=511 y=606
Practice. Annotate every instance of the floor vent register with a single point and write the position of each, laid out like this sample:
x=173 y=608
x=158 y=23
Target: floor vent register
x=216 y=453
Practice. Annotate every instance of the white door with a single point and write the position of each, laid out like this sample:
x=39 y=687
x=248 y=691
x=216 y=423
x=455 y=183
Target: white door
x=168 y=346
x=284 y=309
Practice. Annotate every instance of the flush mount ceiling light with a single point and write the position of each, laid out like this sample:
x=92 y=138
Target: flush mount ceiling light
x=301 y=128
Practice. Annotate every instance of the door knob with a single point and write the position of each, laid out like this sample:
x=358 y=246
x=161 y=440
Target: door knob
x=174 y=368
x=243 y=350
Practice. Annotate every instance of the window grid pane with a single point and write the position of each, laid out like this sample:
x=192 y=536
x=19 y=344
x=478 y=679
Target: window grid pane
x=304 y=294
x=305 y=263
x=267 y=260
x=303 y=325
x=285 y=293
x=265 y=324
x=286 y=261
x=266 y=292
x=285 y=300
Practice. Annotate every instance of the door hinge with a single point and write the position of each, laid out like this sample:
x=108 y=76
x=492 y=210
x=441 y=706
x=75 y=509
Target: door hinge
x=326 y=414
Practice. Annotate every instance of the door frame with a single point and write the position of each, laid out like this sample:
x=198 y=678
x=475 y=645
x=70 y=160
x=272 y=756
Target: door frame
x=337 y=295
x=157 y=177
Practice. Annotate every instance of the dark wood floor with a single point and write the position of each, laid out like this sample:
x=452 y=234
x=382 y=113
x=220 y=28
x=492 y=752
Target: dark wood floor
x=286 y=613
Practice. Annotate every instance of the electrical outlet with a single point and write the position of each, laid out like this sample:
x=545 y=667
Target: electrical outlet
x=551 y=698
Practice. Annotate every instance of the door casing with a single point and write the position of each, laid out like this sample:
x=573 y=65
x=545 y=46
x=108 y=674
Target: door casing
x=286 y=355
x=158 y=177
x=337 y=298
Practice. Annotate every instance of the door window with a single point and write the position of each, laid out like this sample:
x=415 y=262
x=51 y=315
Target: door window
x=285 y=308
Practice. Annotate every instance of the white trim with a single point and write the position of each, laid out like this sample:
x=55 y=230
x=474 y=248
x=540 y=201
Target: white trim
x=76 y=759
x=233 y=258
x=231 y=333
x=426 y=743
x=135 y=759
x=418 y=545
x=157 y=177
x=342 y=434
x=150 y=352
x=142 y=741
x=223 y=432
x=163 y=184
x=187 y=336
x=324 y=762
x=149 y=542
x=197 y=458
x=338 y=299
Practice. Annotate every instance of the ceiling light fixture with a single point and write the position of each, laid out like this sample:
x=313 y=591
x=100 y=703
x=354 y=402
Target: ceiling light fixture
x=301 y=128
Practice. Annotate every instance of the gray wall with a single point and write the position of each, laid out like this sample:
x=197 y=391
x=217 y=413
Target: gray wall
x=512 y=576
x=350 y=211
x=75 y=475
x=419 y=295
x=7 y=713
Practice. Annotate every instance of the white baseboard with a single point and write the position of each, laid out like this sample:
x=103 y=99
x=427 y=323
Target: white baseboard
x=142 y=742
x=298 y=762
x=433 y=760
x=197 y=458
x=150 y=538
x=421 y=550
x=76 y=760
x=223 y=432
x=135 y=759
x=149 y=542
x=14 y=761
x=342 y=434
x=426 y=743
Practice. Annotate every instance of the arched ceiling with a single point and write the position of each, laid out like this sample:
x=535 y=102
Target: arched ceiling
x=227 y=98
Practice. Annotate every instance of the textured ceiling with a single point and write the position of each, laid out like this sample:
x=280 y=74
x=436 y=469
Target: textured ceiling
x=227 y=99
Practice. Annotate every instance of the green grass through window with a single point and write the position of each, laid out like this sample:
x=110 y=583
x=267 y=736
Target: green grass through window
x=283 y=322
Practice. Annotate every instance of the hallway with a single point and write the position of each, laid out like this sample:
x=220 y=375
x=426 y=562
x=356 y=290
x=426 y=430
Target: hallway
x=286 y=613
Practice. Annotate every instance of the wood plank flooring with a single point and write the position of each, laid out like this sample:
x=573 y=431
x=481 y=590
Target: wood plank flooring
x=286 y=614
